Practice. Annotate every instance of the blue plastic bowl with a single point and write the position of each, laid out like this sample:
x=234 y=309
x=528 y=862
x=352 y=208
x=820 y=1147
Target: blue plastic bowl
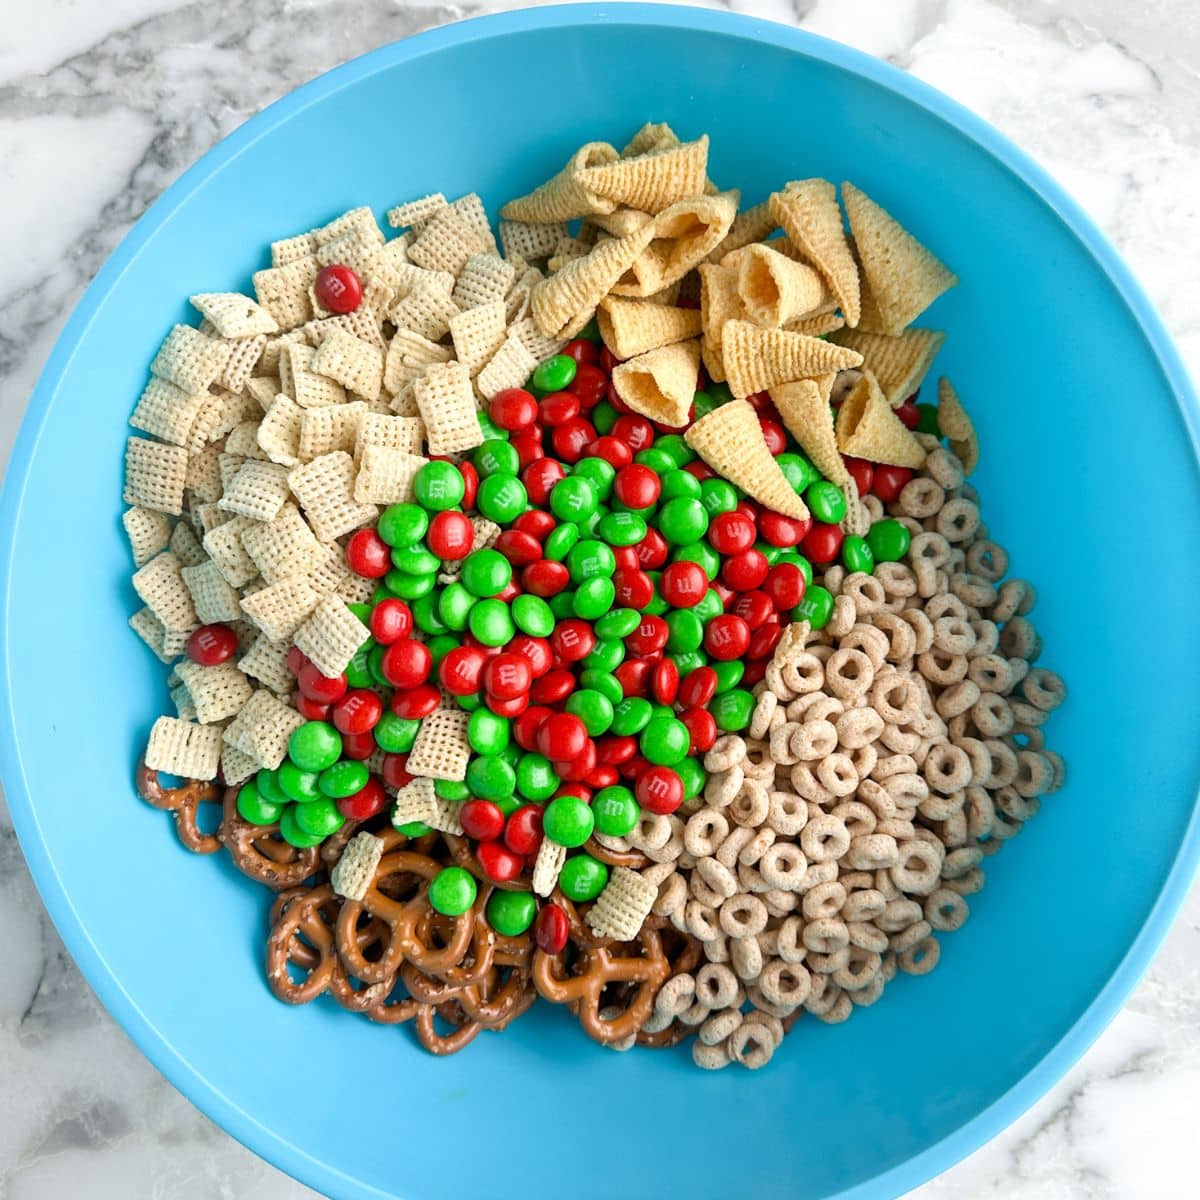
x=1089 y=477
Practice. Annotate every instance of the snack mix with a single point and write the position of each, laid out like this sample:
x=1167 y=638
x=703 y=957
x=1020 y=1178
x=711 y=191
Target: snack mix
x=594 y=616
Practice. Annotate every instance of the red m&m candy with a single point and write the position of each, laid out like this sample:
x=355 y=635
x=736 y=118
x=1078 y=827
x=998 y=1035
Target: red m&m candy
x=450 y=535
x=338 y=288
x=726 y=637
x=659 y=790
x=507 y=676
x=513 y=409
x=211 y=645
x=368 y=555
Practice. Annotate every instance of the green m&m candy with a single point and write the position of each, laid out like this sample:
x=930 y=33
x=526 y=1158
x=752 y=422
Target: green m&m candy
x=452 y=891
x=594 y=598
x=293 y=834
x=297 y=785
x=487 y=733
x=798 y=471
x=658 y=602
x=689 y=661
x=632 y=715
x=267 y=783
x=439 y=486
x=411 y=587
x=507 y=805
x=375 y=665
x=659 y=461
x=599 y=471
x=857 y=555
x=693 y=776
x=502 y=498
x=574 y=498
x=703 y=555
x=315 y=745
x=622 y=528
x=395 y=735
x=683 y=521
x=415 y=560
x=582 y=877
x=252 y=806
x=617 y=623
x=403 y=524
x=816 y=608
x=532 y=615
x=604 y=417
x=562 y=605
x=554 y=374
x=679 y=483
x=413 y=829
x=489 y=777
x=607 y=684
x=606 y=655
x=536 y=779
x=560 y=542
x=568 y=821
x=732 y=710
x=729 y=674
x=590 y=559
x=511 y=913
x=358 y=669
x=826 y=501
x=590 y=332
x=889 y=540
x=318 y=819
x=718 y=496
x=927 y=419
x=425 y=616
x=673 y=445
x=685 y=631
x=451 y=789
x=495 y=457
x=490 y=430
x=440 y=646
x=485 y=572
x=343 y=779
x=616 y=811
x=592 y=708
x=454 y=606
x=665 y=741
x=710 y=606
x=491 y=623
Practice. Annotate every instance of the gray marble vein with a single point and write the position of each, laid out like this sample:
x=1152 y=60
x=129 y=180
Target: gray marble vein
x=102 y=105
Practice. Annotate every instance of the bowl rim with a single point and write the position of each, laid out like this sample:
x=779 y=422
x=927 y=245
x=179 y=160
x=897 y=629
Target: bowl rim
x=184 y=1075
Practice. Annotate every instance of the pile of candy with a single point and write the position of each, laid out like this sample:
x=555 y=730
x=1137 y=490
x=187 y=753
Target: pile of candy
x=603 y=620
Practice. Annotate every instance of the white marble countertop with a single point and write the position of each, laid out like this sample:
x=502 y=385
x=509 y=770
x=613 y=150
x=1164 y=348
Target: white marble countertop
x=103 y=104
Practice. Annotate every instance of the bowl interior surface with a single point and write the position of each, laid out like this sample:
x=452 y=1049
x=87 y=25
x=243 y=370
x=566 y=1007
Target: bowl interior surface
x=1085 y=451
